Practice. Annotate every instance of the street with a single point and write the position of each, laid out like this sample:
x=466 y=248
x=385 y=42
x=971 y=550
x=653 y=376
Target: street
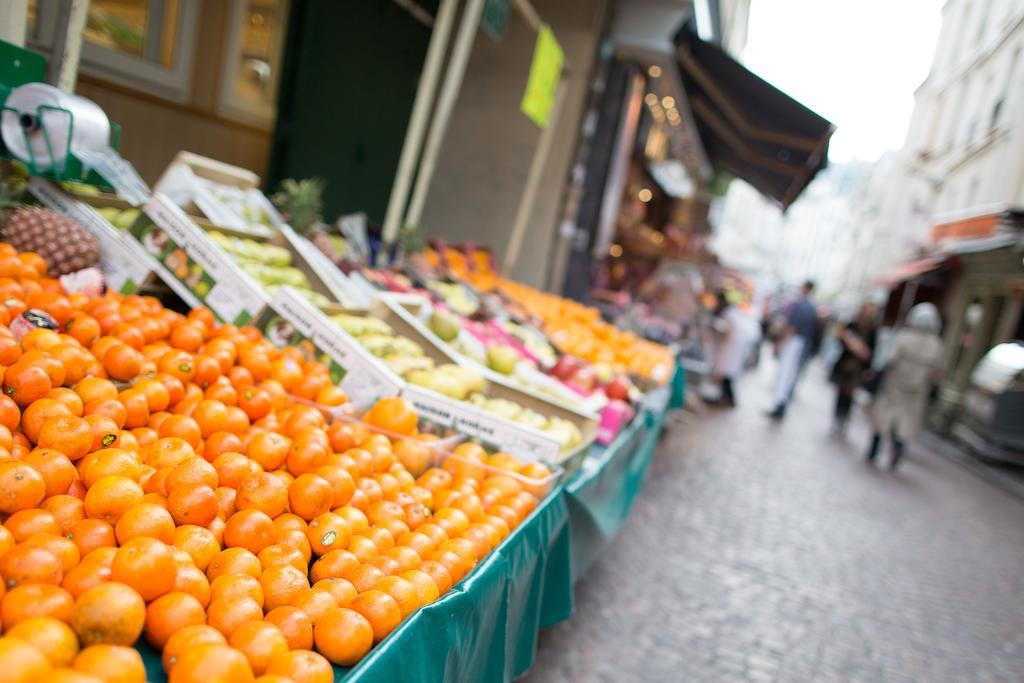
x=772 y=552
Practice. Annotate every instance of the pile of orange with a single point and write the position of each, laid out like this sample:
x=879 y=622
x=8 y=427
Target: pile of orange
x=579 y=330
x=160 y=478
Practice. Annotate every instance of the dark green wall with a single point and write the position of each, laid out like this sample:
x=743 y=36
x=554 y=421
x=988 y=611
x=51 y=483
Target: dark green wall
x=348 y=84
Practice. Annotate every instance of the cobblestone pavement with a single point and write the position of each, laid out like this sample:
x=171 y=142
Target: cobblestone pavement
x=764 y=552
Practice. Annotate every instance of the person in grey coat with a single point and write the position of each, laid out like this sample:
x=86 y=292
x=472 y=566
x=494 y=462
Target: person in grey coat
x=913 y=367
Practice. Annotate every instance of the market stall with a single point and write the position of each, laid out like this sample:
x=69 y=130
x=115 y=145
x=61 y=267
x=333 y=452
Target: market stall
x=246 y=471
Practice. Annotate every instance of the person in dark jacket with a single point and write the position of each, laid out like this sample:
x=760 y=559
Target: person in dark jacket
x=857 y=340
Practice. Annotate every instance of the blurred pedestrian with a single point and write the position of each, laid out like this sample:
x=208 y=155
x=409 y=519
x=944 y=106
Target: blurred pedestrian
x=857 y=341
x=737 y=332
x=795 y=341
x=907 y=378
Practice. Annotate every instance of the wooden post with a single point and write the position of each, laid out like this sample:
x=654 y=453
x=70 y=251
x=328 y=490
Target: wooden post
x=418 y=120
x=537 y=167
x=67 y=44
x=445 y=104
x=13 y=18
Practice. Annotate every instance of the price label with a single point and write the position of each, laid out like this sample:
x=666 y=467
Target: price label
x=366 y=379
x=198 y=264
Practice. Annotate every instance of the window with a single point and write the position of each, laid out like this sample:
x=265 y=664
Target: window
x=145 y=44
x=252 y=67
x=1004 y=93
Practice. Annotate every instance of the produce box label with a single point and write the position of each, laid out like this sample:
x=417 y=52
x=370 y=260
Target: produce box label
x=357 y=372
x=191 y=262
x=518 y=440
x=124 y=263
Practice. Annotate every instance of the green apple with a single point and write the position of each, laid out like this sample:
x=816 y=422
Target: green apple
x=502 y=358
x=444 y=325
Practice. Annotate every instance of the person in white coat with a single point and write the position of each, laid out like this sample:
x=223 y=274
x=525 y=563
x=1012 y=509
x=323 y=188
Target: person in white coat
x=911 y=370
x=737 y=333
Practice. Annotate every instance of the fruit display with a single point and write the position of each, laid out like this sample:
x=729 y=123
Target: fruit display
x=164 y=477
x=579 y=331
x=269 y=265
x=410 y=361
x=122 y=219
x=63 y=244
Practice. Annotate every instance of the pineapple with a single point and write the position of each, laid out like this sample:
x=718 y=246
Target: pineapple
x=64 y=244
x=301 y=202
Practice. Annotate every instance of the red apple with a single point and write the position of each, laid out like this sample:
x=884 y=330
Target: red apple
x=617 y=389
x=564 y=367
x=584 y=378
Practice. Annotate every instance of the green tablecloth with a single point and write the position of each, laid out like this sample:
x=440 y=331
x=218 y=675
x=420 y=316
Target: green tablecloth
x=601 y=494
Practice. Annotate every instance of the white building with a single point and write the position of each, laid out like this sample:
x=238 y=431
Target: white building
x=965 y=146
x=817 y=239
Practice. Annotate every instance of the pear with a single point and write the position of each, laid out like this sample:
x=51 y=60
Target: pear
x=444 y=325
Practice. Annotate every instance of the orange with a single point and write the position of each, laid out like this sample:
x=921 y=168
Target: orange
x=279 y=554
x=425 y=586
x=69 y=399
x=95 y=389
x=104 y=431
x=21 y=487
x=234 y=586
x=111 y=663
x=122 y=362
x=193 y=504
x=211 y=663
x=93 y=570
x=25 y=564
x=341 y=482
x=109 y=462
x=344 y=636
x=268 y=449
x=232 y=467
x=294 y=624
x=146 y=565
x=264 y=492
x=111 y=613
x=35 y=600
x=310 y=495
x=221 y=442
x=355 y=517
x=250 y=529
x=313 y=602
x=364 y=577
x=21 y=662
x=226 y=615
x=169 y=614
x=112 y=408
x=260 y=642
x=327 y=532
x=187 y=639
x=183 y=427
x=57 y=471
x=89 y=534
x=341 y=590
x=280 y=584
x=65 y=509
x=333 y=565
x=53 y=638
x=62 y=548
x=406 y=557
x=198 y=542
x=403 y=592
x=26 y=383
x=302 y=666
x=25 y=523
x=145 y=519
x=110 y=497
x=392 y=414
x=439 y=573
x=234 y=561
x=363 y=548
x=38 y=412
x=381 y=610
x=190 y=579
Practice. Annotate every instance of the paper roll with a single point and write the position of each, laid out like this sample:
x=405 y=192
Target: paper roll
x=37 y=116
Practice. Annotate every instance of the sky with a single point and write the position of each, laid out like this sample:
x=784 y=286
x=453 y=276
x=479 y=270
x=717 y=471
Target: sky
x=855 y=62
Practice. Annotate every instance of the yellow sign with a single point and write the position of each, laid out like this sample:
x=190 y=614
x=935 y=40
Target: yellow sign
x=545 y=71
